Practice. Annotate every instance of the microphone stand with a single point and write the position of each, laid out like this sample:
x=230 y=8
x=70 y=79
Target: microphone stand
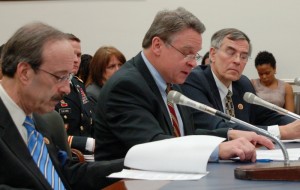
x=279 y=171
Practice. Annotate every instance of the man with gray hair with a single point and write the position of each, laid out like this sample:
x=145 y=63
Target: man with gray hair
x=37 y=62
x=229 y=53
x=133 y=107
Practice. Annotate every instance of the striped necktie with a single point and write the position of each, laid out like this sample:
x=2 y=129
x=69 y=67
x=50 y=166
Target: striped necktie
x=229 y=108
x=173 y=114
x=39 y=153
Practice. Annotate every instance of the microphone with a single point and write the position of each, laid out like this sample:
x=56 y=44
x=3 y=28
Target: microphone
x=177 y=98
x=297 y=81
x=252 y=99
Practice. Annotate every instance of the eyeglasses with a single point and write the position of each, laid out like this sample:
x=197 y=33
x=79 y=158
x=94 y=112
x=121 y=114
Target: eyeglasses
x=232 y=53
x=58 y=78
x=189 y=57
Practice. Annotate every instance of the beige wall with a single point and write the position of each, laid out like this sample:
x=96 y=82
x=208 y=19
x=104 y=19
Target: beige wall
x=271 y=24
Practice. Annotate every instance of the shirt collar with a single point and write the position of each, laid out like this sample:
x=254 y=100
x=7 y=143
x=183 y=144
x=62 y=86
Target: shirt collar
x=160 y=82
x=17 y=114
x=223 y=90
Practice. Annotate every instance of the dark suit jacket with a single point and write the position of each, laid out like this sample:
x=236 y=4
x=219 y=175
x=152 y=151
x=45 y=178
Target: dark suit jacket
x=77 y=112
x=132 y=111
x=201 y=87
x=18 y=169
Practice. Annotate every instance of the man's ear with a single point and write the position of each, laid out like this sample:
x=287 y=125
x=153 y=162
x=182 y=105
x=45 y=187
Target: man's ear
x=212 y=54
x=156 y=45
x=24 y=72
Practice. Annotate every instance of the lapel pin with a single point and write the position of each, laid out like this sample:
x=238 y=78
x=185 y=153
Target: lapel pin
x=240 y=106
x=46 y=140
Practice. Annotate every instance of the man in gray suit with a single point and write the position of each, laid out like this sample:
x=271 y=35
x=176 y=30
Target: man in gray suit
x=133 y=107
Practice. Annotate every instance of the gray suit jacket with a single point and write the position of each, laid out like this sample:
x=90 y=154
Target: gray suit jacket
x=132 y=111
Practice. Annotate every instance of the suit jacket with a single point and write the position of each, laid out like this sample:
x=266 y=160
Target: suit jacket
x=201 y=87
x=132 y=111
x=77 y=113
x=18 y=169
x=93 y=90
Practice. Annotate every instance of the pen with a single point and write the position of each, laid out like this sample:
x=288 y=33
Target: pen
x=264 y=160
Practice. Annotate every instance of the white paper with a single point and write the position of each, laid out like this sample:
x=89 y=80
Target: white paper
x=288 y=141
x=181 y=158
x=294 y=154
x=150 y=175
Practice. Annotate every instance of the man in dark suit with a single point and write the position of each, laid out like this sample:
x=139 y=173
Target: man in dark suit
x=133 y=107
x=229 y=52
x=76 y=109
x=36 y=64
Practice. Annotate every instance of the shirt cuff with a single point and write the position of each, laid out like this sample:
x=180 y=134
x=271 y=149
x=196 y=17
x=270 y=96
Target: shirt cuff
x=214 y=157
x=274 y=130
x=90 y=144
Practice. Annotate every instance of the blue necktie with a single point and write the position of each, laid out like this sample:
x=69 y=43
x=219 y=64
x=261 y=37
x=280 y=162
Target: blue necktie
x=39 y=153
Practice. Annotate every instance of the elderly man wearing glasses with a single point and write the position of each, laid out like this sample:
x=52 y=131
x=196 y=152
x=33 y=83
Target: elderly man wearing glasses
x=229 y=53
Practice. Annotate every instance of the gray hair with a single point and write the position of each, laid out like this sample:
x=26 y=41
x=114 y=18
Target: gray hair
x=27 y=45
x=168 y=22
x=230 y=33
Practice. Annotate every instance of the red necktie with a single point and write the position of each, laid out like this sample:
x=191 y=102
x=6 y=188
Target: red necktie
x=173 y=114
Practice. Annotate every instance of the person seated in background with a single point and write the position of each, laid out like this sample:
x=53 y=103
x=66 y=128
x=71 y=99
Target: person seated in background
x=83 y=71
x=76 y=109
x=1 y=47
x=133 y=107
x=222 y=86
x=205 y=59
x=37 y=63
x=106 y=61
x=268 y=87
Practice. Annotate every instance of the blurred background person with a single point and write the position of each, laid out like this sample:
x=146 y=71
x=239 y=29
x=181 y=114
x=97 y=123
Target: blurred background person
x=76 y=109
x=268 y=87
x=1 y=61
x=106 y=61
x=83 y=71
x=205 y=59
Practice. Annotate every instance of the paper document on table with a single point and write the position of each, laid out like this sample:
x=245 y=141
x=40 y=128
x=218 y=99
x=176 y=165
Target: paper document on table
x=276 y=154
x=181 y=158
x=290 y=141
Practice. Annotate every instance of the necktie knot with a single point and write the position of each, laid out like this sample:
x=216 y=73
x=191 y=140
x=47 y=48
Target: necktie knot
x=28 y=124
x=169 y=87
x=229 y=94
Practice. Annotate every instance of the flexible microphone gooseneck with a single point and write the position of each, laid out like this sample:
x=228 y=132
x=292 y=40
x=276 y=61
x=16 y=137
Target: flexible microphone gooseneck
x=253 y=99
x=178 y=98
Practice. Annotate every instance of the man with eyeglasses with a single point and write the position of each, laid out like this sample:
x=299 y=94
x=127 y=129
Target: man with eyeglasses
x=76 y=109
x=36 y=64
x=229 y=53
x=133 y=107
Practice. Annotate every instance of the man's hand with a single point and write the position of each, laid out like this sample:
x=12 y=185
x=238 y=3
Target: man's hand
x=254 y=138
x=240 y=147
x=290 y=131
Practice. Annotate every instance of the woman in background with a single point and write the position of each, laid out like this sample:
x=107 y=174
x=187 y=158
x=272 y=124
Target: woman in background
x=268 y=87
x=106 y=61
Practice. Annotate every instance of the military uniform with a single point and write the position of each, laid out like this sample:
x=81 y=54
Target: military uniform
x=76 y=111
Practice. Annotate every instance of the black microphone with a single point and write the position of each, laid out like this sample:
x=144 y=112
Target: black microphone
x=297 y=81
x=253 y=99
x=177 y=98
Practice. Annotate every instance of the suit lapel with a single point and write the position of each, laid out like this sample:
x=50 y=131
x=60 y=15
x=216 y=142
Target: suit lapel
x=215 y=95
x=13 y=140
x=142 y=68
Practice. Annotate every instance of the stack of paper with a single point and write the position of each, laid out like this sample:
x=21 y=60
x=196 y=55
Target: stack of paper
x=182 y=158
